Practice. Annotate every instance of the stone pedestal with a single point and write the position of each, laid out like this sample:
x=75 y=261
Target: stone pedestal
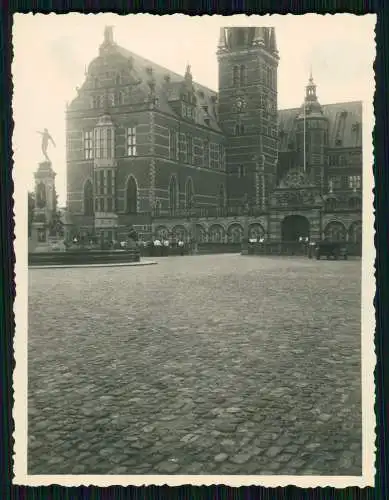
x=39 y=237
x=45 y=206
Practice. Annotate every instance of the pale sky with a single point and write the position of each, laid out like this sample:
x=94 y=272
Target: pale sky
x=52 y=51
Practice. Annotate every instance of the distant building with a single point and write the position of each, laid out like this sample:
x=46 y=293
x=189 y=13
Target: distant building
x=153 y=149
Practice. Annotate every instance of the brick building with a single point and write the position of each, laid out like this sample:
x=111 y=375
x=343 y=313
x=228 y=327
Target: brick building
x=151 y=148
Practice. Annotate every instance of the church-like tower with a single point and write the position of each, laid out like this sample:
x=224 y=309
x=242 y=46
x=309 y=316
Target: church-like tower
x=314 y=123
x=248 y=62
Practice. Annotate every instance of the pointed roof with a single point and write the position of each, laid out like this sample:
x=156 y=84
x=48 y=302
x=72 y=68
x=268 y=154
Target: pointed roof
x=350 y=113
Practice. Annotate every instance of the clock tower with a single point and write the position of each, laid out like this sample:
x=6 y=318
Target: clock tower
x=248 y=62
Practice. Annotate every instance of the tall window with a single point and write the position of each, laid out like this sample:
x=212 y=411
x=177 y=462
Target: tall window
x=189 y=142
x=104 y=142
x=335 y=182
x=173 y=144
x=101 y=181
x=88 y=198
x=131 y=196
x=214 y=155
x=189 y=194
x=354 y=182
x=241 y=171
x=183 y=148
x=206 y=153
x=109 y=143
x=173 y=194
x=88 y=145
x=222 y=157
x=109 y=182
x=131 y=141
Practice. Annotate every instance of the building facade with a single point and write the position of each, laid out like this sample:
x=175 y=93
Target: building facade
x=153 y=149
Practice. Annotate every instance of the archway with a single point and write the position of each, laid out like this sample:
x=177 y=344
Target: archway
x=132 y=196
x=216 y=234
x=294 y=227
x=256 y=231
x=235 y=233
x=179 y=233
x=173 y=194
x=335 y=231
x=88 y=198
x=162 y=233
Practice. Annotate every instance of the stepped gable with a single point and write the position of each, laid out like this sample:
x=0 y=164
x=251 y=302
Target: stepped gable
x=345 y=125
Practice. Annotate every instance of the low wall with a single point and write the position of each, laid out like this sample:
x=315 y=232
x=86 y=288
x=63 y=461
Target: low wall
x=78 y=257
x=294 y=248
x=210 y=248
x=202 y=248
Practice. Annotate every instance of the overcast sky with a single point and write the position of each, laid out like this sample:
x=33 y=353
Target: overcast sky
x=52 y=51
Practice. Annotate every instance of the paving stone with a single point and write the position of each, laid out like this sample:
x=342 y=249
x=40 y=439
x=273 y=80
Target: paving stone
x=273 y=451
x=167 y=467
x=222 y=457
x=196 y=381
x=242 y=458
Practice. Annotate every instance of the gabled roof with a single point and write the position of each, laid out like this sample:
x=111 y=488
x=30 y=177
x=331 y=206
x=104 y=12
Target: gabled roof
x=167 y=87
x=345 y=125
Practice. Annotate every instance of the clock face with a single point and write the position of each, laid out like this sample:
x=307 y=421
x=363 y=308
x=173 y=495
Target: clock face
x=240 y=103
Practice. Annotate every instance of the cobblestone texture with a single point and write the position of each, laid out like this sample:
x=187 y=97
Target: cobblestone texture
x=199 y=365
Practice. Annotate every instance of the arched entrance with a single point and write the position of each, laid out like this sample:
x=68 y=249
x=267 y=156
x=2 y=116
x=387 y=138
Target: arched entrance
x=294 y=227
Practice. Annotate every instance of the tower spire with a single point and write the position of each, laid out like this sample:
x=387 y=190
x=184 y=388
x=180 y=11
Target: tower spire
x=310 y=89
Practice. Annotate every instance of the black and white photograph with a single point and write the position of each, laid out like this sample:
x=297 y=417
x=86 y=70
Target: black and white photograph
x=194 y=249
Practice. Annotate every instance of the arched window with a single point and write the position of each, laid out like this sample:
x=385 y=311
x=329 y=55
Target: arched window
x=88 y=198
x=235 y=233
x=216 y=234
x=189 y=194
x=132 y=196
x=173 y=194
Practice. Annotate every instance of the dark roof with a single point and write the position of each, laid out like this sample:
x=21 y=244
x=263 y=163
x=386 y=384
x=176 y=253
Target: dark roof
x=345 y=125
x=168 y=91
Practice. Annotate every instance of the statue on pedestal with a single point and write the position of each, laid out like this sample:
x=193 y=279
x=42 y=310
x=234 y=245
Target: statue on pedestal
x=46 y=137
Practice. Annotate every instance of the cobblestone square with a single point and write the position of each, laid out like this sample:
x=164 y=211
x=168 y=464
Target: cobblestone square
x=217 y=364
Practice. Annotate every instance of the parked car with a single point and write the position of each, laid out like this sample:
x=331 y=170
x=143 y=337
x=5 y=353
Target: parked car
x=331 y=249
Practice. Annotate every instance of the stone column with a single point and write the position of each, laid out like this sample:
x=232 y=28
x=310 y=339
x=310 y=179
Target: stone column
x=245 y=243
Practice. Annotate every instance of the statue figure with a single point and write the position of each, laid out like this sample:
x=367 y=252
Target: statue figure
x=46 y=137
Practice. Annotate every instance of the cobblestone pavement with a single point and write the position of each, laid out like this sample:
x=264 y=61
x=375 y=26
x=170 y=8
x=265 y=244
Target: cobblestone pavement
x=200 y=365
